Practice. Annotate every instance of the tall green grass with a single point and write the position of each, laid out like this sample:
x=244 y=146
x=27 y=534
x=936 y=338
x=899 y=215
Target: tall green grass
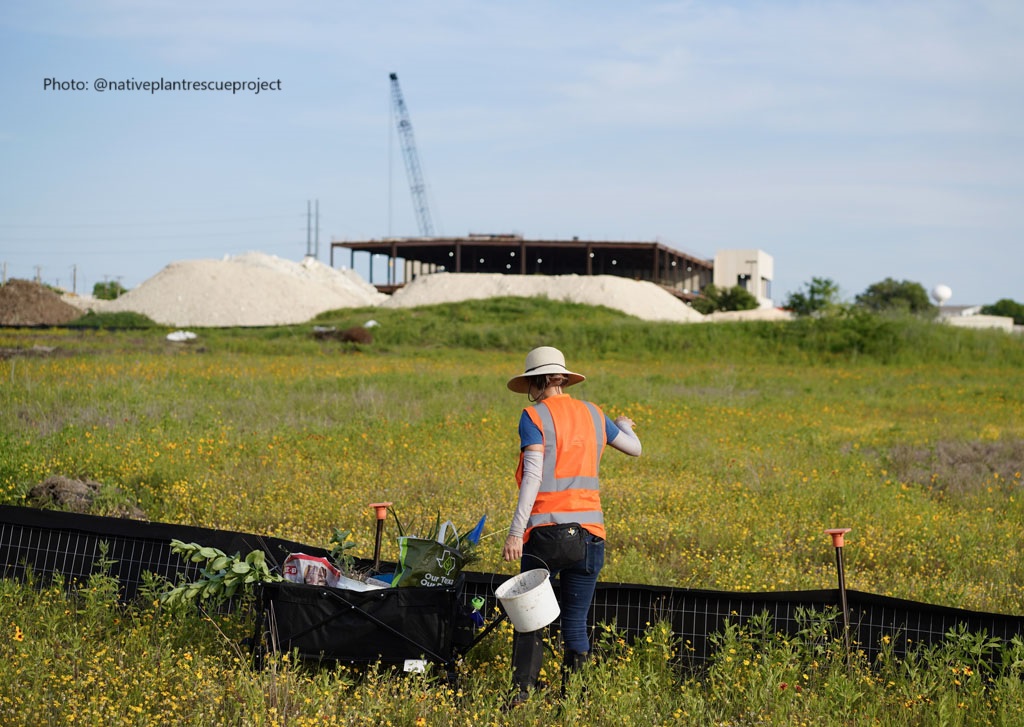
x=757 y=437
x=517 y=324
x=513 y=325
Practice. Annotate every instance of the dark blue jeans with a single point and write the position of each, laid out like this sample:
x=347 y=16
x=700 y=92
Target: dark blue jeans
x=576 y=592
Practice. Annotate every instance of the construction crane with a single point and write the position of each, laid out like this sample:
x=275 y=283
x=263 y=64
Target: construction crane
x=412 y=162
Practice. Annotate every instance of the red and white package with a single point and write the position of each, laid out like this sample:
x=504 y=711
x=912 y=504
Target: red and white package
x=311 y=569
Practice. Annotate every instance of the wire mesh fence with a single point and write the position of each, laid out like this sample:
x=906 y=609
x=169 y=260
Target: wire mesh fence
x=45 y=543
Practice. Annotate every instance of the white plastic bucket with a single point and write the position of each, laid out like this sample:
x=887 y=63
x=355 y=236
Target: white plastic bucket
x=529 y=600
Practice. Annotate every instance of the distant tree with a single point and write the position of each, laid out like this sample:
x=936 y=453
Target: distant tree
x=716 y=299
x=738 y=298
x=108 y=290
x=891 y=296
x=1006 y=307
x=819 y=296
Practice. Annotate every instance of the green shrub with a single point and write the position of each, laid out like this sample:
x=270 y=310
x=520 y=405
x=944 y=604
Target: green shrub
x=1006 y=307
x=124 y=320
x=108 y=290
x=715 y=298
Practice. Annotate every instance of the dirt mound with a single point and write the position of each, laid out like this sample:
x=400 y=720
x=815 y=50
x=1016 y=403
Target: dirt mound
x=64 y=493
x=357 y=334
x=23 y=303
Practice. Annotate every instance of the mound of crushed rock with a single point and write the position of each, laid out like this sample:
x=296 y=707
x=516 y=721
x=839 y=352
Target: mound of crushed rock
x=638 y=298
x=256 y=289
x=24 y=303
x=253 y=289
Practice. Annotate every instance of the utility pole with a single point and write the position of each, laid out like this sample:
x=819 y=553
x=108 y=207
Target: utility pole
x=313 y=229
x=308 y=223
x=74 y=278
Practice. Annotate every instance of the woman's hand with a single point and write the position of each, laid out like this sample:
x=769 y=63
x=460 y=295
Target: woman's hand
x=513 y=549
x=624 y=420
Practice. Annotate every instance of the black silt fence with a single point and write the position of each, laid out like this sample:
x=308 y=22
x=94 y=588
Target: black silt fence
x=46 y=543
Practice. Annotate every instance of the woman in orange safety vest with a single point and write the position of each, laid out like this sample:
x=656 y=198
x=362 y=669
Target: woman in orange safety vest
x=559 y=523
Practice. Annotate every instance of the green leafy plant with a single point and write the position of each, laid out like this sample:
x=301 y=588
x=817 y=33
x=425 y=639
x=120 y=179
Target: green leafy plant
x=222 y=576
x=341 y=544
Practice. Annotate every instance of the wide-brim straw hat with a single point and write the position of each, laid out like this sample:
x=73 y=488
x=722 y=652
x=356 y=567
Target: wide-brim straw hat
x=543 y=360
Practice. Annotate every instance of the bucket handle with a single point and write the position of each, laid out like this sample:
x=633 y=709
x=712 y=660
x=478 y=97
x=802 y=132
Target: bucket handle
x=537 y=557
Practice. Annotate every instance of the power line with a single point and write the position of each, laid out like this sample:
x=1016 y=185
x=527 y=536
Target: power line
x=150 y=223
x=108 y=238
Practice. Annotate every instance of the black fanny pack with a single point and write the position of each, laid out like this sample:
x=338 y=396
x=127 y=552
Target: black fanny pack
x=558 y=546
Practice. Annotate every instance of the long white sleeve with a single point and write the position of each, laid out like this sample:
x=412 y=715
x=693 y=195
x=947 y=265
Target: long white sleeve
x=533 y=462
x=626 y=441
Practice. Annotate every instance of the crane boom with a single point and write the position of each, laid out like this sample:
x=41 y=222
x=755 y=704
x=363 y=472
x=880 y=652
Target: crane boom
x=412 y=162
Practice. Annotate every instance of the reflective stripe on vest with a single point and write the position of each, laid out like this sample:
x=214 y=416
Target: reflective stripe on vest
x=573 y=497
x=549 y=481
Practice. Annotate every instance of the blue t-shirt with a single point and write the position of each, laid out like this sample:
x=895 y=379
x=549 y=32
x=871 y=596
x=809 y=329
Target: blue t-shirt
x=529 y=433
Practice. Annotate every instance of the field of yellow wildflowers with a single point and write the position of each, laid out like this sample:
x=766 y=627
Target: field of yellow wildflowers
x=756 y=439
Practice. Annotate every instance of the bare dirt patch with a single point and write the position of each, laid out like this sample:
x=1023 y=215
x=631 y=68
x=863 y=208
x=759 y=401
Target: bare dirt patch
x=356 y=334
x=24 y=303
x=35 y=351
x=82 y=496
x=960 y=467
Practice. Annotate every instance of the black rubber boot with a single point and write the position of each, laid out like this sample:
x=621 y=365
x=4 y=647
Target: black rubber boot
x=572 y=661
x=527 y=659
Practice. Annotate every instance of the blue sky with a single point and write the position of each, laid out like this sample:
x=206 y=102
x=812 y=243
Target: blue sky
x=852 y=140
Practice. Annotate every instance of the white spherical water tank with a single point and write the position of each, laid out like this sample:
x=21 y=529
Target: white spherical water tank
x=941 y=293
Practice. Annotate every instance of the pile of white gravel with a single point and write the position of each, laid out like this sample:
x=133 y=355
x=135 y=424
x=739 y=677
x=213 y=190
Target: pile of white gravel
x=253 y=289
x=637 y=298
x=256 y=289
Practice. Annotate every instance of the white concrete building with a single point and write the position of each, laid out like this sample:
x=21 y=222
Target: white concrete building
x=752 y=270
x=970 y=316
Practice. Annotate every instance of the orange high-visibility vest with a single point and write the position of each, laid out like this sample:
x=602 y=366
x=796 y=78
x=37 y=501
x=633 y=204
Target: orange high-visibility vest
x=574 y=440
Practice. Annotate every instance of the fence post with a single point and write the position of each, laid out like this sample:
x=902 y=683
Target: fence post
x=381 y=509
x=837 y=543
